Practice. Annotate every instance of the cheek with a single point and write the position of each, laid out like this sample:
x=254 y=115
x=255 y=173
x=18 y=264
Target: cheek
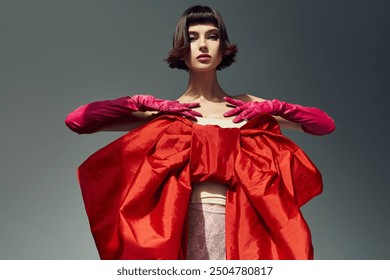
x=217 y=48
x=219 y=53
x=190 y=54
x=187 y=58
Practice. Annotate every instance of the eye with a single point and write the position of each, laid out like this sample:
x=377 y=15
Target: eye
x=191 y=38
x=213 y=36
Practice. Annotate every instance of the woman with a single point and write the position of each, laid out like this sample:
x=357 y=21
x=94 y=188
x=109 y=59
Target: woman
x=210 y=183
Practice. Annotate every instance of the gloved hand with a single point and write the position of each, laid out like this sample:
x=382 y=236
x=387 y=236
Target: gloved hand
x=149 y=103
x=90 y=117
x=312 y=120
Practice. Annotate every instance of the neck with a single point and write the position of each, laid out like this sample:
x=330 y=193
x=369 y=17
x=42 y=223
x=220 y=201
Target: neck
x=204 y=86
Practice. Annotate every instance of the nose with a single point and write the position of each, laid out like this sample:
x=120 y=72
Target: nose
x=203 y=44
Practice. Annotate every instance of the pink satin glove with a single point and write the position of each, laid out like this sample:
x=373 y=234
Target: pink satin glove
x=312 y=120
x=90 y=117
x=149 y=103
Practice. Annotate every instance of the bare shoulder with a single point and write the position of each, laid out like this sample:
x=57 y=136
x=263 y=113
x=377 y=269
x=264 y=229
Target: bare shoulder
x=247 y=97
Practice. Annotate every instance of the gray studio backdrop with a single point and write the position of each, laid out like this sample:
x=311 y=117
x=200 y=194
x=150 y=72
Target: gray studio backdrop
x=56 y=55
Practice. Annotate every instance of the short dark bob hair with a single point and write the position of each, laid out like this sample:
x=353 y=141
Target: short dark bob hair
x=181 y=45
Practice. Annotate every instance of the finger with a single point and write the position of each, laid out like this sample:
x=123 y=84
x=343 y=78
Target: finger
x=177 y=110
x=195 y=113
x=238 y=119
x=190 y=105
x=170 y=103
x=188 y=115
x=233 y=112
x=182 y=111
x=174 y=109
x=241 y=117
x=188 y=111
x=251 y=115
x=233 y=101
x=247 y=113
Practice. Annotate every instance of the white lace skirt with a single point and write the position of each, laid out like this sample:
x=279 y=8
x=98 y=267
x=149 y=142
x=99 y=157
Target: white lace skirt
x=206 y=232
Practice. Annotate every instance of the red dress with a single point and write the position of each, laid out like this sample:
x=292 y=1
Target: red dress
x=136 y=189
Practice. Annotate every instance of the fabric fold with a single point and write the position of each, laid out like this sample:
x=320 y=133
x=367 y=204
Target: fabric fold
x=136 y=189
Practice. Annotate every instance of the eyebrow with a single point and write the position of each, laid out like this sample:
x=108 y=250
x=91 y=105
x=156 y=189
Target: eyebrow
x=214 y=30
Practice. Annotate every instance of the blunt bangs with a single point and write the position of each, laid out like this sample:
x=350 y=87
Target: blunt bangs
x=201 y=15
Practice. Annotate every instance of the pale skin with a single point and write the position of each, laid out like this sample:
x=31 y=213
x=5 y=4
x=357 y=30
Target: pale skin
x=203 y=87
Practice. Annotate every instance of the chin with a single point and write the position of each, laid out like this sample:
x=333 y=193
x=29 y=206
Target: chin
x=204 y=68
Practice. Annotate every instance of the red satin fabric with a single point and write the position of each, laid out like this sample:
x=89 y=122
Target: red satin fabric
x=136 y=190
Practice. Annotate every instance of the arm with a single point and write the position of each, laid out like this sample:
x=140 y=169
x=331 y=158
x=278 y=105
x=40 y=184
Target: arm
x=123 y=114
x=308 y=119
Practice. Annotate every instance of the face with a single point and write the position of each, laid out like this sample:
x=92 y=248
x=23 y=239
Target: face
x=205 y=51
